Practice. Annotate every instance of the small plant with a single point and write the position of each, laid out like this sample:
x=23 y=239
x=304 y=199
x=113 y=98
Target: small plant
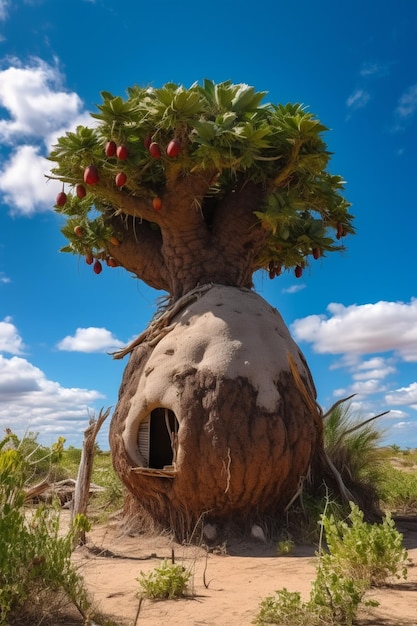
x=285 y=546
x=166 y=582
x=359 y=555
x=370 y=552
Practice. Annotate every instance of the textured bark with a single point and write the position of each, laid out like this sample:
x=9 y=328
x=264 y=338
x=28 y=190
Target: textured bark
x=237 y=457
x=193 y=240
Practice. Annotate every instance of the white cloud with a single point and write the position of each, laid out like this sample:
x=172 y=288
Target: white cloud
x=407 y=104
x=90 y=340
x=403 y=395
x=35 y=100
x=373 y=68
x=294 y=288
x=362 y=329
x=29 y=401
x=4 y=4
x=4 y=279
x=23 y=182
x=358 y=99
x=39 y=110
x=10 y=340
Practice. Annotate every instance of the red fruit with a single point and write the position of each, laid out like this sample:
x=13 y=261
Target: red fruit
x=121 y=179
x=97 y=267
x=316 y=253
x=111 y=262
x=340 y=230
x=81 y=191
x=110 y=148
x=114 y=241
x=78 y=230
x=154 y=150
x=89 y=258
x=147 y=141
x=157 y=204
x=61 y=199
x=122 y=153
x=298 y=271
x=173 y=148
x=91 y=175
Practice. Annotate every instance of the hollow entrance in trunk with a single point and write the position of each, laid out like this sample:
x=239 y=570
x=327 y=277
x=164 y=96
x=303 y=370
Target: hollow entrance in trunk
x=157 y=439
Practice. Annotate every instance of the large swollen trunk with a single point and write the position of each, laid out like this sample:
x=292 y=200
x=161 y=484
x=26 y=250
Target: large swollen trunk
x=211 y=423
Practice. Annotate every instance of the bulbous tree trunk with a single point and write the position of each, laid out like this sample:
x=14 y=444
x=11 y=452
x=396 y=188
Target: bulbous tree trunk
x=210 y=422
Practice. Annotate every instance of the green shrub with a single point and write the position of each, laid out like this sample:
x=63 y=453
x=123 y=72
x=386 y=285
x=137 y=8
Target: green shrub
x=359 y=555
x=398 y=489
x=370 y=552
x=168 y=581
x=35 y=559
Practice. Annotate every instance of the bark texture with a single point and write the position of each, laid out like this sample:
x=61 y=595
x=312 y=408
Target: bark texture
x=245 y=437
x=194 y=239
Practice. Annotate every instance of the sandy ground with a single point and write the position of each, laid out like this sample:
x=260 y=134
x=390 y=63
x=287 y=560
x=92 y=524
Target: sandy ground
x=228 y=585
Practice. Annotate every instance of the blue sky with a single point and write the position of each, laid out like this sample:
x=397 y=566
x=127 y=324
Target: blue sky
x=354 y=315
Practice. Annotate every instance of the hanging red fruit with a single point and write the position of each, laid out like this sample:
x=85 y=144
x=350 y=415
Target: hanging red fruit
x=157 y=204
x=298 y=271
x=97 y=267
x=173 y=148
x=316 y=253
x=78 y=231
x=340 y=230
x=122 y=153
x=89 y=258
x=121 y=179
x=111 y=262
x=154 y=150
x=61 y=199
x=110 y=148
x=91 y=176
x=81 y=191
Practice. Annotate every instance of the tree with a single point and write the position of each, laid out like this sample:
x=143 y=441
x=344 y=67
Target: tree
x=193 y=191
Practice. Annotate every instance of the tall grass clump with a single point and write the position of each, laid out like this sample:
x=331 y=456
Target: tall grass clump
x=35 y=558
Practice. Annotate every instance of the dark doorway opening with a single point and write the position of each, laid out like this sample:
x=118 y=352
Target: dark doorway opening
x=162 y=438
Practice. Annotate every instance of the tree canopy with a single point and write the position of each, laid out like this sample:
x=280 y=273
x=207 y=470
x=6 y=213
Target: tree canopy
x=183 y=186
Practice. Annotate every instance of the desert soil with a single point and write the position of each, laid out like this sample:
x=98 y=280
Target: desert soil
x=228 y=583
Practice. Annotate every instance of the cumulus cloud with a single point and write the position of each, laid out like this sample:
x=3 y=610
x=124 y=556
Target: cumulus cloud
x=29 y=401
x=404 y=395
x=90 y=340
x=10 y=340
x=23 y=182
x=38 y=109
x=362 y=329
x=35 y=100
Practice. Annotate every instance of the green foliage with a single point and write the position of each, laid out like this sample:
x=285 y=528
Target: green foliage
x=358 y=556
x=397 y=489
x=168 y=581
x=370 y=552
x=285 y=546
x=223 y=129
x=34 y=557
